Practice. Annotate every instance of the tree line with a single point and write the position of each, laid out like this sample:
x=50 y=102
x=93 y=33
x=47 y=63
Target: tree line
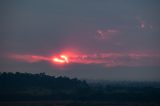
x=31 y=87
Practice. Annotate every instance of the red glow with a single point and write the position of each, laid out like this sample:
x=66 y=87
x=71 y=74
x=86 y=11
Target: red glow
x=108 y=59
x=61 y=59
x=65 y=58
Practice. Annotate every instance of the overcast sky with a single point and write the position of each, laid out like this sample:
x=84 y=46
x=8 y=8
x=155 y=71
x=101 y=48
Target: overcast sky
x=105 y=39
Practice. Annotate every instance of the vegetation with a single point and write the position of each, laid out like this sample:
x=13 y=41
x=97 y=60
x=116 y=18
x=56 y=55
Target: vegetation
x=25 y=86
x=36 y=87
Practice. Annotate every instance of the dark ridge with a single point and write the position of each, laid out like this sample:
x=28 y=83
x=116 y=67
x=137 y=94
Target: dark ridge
x=42 y=87
x=26 y=86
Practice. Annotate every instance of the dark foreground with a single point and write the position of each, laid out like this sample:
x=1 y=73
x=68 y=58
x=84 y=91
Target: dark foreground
x=62 y=91
x=78 y=104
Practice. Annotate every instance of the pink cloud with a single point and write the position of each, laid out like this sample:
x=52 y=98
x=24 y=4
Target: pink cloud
x=108 y=59
x=114 y=59
x=28 y=58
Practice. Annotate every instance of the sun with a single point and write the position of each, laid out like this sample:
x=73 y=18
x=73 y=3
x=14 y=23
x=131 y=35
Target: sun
x=61 y=59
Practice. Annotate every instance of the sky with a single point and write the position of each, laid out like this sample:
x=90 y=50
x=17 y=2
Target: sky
x=101 y=39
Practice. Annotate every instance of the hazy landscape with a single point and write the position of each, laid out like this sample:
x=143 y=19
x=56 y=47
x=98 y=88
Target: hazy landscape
x=19 y=89
x=79 y=52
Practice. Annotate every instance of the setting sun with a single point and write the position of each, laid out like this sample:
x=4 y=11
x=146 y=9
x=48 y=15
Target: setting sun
x=61 y=59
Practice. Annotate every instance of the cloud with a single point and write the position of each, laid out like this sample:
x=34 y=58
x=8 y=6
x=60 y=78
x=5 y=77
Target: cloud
x=106 y=34
x=107 y=59
x=27 y=58
x=143 y=24
x=115 y=59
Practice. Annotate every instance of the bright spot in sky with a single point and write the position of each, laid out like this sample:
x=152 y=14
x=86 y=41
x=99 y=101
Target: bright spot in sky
x=61 y=59
x=65 y=58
